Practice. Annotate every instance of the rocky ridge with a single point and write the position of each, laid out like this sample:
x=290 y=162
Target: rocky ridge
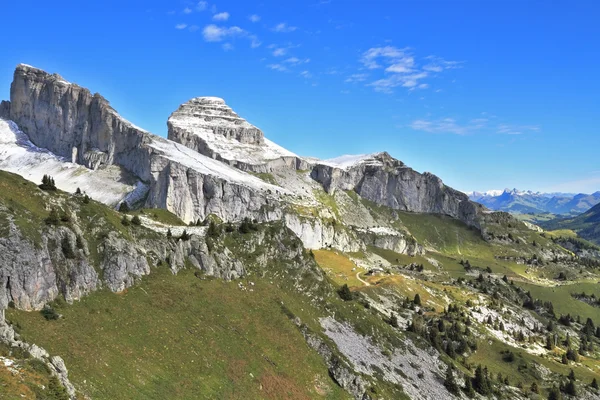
x=193 y=174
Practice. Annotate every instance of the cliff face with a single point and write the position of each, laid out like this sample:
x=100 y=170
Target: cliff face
x=203 y=169
x=387 y=181
x=71 y=122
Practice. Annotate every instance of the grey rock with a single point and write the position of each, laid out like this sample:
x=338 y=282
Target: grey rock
x=5 y=109
x=387 y=181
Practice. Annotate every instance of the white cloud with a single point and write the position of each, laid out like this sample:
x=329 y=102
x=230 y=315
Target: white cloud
x=279 y=52
x=356 y=78
x=284 y=27
x=506 y=129
x=306 y=74
x=278 y=67
x=187 y=10
x=451 y=125
x=296 y=61
x=180 y=26
x=254 y=18
x=227 y=46
x=405 y=64
x=370 y=57
x=214 y=33
x=254 y=42
x=448 y=125
x=201 y=6
x=438 y=64
x=223 y=16
x=410 y=81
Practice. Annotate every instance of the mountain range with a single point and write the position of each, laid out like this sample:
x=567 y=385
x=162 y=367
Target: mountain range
x=528 y=202
x=216 y=264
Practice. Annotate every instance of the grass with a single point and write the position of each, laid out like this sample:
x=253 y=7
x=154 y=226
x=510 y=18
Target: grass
x=267 y=177
x=338 y=267
x=180 y=337
x=160 y=215
x=563 y=302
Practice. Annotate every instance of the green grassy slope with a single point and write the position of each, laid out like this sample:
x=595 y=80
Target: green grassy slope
x=178 y=336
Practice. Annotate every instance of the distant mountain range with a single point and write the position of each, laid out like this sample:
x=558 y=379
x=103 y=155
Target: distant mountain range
x=528 y=202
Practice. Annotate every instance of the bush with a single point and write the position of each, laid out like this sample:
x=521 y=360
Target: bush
x=125 y=221
x=67 y=249
x=53 y=218
x=214 y=231
x=185 y=236
x=136 y=220
x=124 y=207
x=49 y=313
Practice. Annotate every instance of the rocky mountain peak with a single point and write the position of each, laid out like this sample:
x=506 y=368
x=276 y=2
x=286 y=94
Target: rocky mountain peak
x=213 y=115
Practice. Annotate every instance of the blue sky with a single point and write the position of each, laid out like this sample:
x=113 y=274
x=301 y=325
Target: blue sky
x=485 y=94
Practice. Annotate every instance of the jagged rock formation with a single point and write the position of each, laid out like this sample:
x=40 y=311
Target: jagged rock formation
x=387 y=181
x=191 y=178
x=71 y=122
x=210 y=127
x=5 y=109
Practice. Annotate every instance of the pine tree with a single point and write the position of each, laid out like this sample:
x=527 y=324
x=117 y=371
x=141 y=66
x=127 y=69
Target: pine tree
x=169 y=234
x=125 y=221
x=136 y=220
x=595 y=384
x=394 y=321
x=124 y=207
x=535 y=388
x=417 y=300
x=554 y=394
x=345 y=293
x=86 y=199
x=213 y=230
x=185 y=236
x=481 y=381
x=78 y=191
x=450 y=382
x=468 y=389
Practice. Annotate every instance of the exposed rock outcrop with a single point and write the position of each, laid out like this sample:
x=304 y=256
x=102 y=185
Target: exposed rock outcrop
x=387 y=181
x=71 y=122
x=5 y=109
x=210 y=127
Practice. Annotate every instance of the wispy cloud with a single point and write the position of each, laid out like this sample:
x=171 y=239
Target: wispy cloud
x=254 y=42
x=193 y=28
x=278 y=67
x=306 y=74
x=278 y=52
x=356 y=78
x=475 y=125
x=506 y=129
x=371 y=57
x=180 y=26
x=201 y=6
x=296 y=61
x=214 y=33
x=448 y=125
x=254 y=18
x=187 y=10
x=227 y=46
x=401 y=69
x=284 y=27
x=222 y=16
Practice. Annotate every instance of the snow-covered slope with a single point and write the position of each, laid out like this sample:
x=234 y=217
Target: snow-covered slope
x=20 y=156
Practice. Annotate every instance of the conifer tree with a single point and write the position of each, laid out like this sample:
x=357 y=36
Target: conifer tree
x=450 y=382
x=417 y=300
